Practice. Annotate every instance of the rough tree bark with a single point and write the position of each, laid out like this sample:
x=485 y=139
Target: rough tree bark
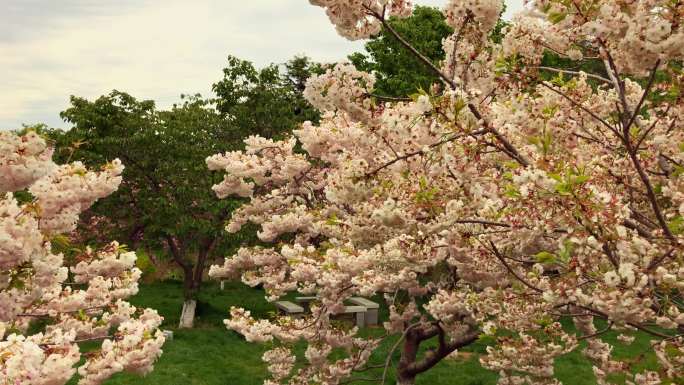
x=410 y=366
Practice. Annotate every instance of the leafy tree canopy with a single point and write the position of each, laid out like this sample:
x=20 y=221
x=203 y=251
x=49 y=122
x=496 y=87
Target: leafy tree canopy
x=166 y=201
x=265 y=101
x=166 y=194
x=398 y=73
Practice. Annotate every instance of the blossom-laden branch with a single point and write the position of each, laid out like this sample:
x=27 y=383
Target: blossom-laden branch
x=35 y=277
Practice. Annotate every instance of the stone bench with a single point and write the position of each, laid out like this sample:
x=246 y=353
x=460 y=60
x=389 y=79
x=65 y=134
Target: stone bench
x=289 y=308
x=371 y=309
x=305 y=302
x=359 y=313
x=365 y=311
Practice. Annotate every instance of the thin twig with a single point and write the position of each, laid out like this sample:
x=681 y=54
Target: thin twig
x=580 y=106
x=419 y=152
x=598 y=333
x=510 y=269
x=647 y=90
x=561 y=71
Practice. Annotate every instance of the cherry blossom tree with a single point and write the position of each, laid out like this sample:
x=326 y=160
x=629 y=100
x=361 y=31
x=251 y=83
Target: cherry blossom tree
x=498 y=206
x=76 y=302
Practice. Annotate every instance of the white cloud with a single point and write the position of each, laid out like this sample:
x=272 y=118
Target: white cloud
x=151 y=49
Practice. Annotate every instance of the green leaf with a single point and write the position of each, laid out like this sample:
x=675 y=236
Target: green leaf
x=459 y=104
x=658 y=188
x=579 y=179
x=512 y=191
x=565 y=253
x=545 y=257
x=549 y=111
x=332 y=220
x=563 y=189
x=556 y=177
x=511 y=165
x=544 y=321
x=676 y=225
x=557 y=17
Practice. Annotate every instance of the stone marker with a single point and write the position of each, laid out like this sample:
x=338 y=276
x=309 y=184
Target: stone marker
x=188 y=314
x=168 y=335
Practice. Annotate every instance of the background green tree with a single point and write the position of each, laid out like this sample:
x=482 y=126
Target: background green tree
x=267 y=101
x=398 y=73
x=165 y=203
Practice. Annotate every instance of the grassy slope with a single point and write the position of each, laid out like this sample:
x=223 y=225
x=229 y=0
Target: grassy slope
x=212 y=355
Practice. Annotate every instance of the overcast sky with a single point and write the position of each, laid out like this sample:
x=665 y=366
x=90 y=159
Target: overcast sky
x=152 y=49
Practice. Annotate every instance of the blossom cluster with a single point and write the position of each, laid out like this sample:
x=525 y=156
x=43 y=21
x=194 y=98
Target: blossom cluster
x=81 y=302
x=23 y=160
x=354 y=19
x=632 y=36
x=484 y=12
x=70 y=190
x=342 y=88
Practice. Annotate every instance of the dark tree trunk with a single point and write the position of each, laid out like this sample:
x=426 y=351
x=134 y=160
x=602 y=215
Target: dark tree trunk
x=408 y=358
x=192 y=275
x=189 y=284
x=409 y=364
x=135 y=236
x=188 y=313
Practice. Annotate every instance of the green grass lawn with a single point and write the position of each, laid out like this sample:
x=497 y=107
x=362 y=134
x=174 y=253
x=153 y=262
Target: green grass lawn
x=210 y=354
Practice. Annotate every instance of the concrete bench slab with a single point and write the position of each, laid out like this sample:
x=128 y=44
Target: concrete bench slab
x=364 y=302
x=359 y=314
x=365 y=311
x=305 y=302
x=289 y=308
x=305 y=299
x=354 y=309
x=371 y=309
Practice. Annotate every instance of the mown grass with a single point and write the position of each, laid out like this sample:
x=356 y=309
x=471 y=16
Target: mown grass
x=211 y=355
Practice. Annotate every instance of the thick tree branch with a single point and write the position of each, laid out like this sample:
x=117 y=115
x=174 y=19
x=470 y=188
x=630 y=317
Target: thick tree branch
x=581 y=107
x=412 y=49
x=444 y=349
x=509 y=148
x=647 y=90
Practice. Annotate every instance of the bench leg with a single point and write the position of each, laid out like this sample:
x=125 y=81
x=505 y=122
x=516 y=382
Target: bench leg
x=372 y=317
x=360 y=319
